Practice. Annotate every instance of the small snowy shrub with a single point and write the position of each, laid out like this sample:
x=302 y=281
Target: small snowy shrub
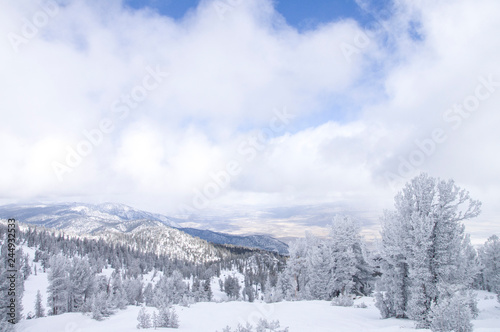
x=361 y=305
x=273 y=326
x=451 y=315
x=342 y=301
x=167 y=317
x=262 y=326
x=144 y=319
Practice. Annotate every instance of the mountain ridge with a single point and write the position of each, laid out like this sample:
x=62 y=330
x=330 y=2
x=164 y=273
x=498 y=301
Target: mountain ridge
x=264 y=242
x=94 y=219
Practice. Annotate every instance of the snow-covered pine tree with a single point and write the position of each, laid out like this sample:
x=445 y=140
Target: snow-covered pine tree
x=320 y=265
x=154 y=320
x=293 y=279
x=26 y=266
x=344 y=240
x=169 y=290
x=423 y=247
x=394 y=281
x=101 y=305
x=144 y=319
x=133 y=291
x=148 y=294
x=81 y=284
x=232 y=287
x=58 y=285
x=489 y=256
x=118 y=294
x=174 y=319
x=451 y=315
x=39 y=309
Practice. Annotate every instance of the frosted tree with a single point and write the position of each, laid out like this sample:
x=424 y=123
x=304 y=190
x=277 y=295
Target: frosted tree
x=144 y=319
x=232 y=287
x=169 y=290
x=100 y=305
x=133 y=291
x=39 y=309
x=118 y=293
x=490 y=259
x=394 y=280
x=344 y=240
x=424 y=248
x=451 y=315
x=26 y=266
x=148 y=294
x=154 y=320
x=294 y=277
x=320 y=264
x=58 y=284
x=80 y=285
x=271 y=293
x=167 y=317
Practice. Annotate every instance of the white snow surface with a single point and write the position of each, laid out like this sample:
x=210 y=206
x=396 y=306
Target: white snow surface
x=299 y=316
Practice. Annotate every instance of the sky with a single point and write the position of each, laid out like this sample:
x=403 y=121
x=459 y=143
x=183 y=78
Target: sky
x=249 y=116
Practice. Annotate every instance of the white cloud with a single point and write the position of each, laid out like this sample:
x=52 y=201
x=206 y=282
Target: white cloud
x=354 y=118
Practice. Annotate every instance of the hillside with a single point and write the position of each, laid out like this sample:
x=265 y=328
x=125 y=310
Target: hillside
x=264 y=242
x=110 y=219
x=82 y=218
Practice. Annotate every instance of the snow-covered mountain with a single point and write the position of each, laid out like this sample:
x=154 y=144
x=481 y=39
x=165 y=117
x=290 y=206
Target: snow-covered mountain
x=264 y=242
x=166 y=241
x=110 y=219
x=81 y=218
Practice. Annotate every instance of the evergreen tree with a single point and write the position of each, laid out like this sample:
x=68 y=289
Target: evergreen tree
x=58 y=285
x=320 y=264
x=232 y=287
x=148 y=295
x=26 y=267
x=451 y=315
x=144 y=319
x=81 y=284
x=424 y=247
x=294 y=278
x=39 y=309
x=344 y=241
x=154 y=320
x=101 y=305
x=118 y=294
x=490 y=260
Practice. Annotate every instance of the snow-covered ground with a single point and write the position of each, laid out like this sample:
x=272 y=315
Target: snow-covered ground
x=301 y=316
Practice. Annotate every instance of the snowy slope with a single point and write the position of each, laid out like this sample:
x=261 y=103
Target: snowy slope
x=166 y=241
x=299 y=316
x=302 y=316
x=264 y=242
x=82 y=218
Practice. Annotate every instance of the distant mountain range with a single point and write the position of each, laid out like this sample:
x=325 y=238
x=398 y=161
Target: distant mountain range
x=264 y=242
x=107 y=219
